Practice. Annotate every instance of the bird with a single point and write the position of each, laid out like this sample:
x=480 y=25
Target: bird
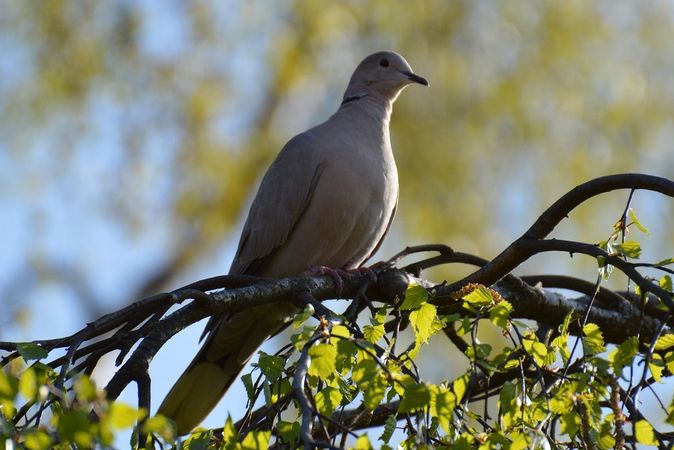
x=326 y=201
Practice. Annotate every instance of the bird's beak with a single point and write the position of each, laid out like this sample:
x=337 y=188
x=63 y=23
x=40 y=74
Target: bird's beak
x=416 y=78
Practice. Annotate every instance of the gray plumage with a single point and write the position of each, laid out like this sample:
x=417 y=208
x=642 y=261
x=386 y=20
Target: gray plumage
x=327 y=200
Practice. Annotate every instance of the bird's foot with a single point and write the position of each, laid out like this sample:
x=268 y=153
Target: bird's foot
x=337 y=275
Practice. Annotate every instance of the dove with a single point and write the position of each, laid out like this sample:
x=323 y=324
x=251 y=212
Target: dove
x=327 y=200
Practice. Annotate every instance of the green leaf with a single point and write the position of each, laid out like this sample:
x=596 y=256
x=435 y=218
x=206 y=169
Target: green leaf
x=506 y=396
x=85 y=388
x=161 y=426
x=373 y=333
x=9 y=386
x=422 y=321
x=271 y=366
x=346 y=350
x=459 y=387
x=638 y=224
x=417 y=396
x=415 y=296
x=479 y=297
x=443 y=403
x=328 y=400
x=121 y=416
x=389 y=428
x=37 y=440
x=624 y=354
x=665 y=262
x=656 y=365
x=631 y=249
x=256 y=440
x=362 y=443
x=229 y=433
x=30 y=351
x=323 y=357
x=341 y=331
x=606 y=440
x=197 y=440
x=666 y=283
x=500 y=314
x=664 y=342
x=28 y=384
x=644 y=433
x=303 y=316
x=247 y=380
x=289 y=431
x=593 y=342
x=519 y=441
x=537 y=350
x=371 y=381
x=669 y=361
x=74 y=426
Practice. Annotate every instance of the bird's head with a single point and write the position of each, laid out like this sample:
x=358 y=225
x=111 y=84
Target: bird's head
x=383 y=73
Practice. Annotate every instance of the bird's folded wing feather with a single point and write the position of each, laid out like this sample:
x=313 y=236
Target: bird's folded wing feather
x=283 y=196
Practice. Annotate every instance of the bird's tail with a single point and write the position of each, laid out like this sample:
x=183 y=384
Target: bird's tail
x=217 y=365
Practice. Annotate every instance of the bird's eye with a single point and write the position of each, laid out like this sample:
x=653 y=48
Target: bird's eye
x=384 y=62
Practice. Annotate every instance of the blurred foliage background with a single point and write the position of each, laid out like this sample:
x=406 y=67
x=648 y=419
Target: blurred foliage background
x=133 y=133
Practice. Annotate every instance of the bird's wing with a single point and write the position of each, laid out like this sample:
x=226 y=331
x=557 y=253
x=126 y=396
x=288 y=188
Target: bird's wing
x=282 y=198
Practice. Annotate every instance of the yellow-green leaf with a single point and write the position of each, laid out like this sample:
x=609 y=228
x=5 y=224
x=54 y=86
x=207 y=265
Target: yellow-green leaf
x=122 y=416
x=500 y=314
x=422 y=321
x=37 y=440
x=415 y=296
x=28 y=384
x=328 y=400
x=664 y=342
x=656 y=365
x=417 y=396
x=479 y=297
x=624 y=354
x=373 y=333
x=256 y=440
x=638 y=224
x=289 y=431
x=644 y=433
x=323 y=357
x=593 y=342
x=362 y=443
x=631 y=249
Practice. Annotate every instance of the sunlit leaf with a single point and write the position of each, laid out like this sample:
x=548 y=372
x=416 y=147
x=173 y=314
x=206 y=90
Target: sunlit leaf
x=122 y=416
x=327 y=400
x=479 y=297
x=664 y=342
x=593 y=342
x=624 y=354
x=323 y=357
x=630 y=249
x=415 y=296
x=373 y=333
x=644 y=433
x=256 y=440
x=422 y=321
x=635 y=221
x=500 y=314
x=289 y=431
x=417 y=396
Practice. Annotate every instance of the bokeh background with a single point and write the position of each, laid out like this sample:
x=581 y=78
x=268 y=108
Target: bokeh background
x=133 y=134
